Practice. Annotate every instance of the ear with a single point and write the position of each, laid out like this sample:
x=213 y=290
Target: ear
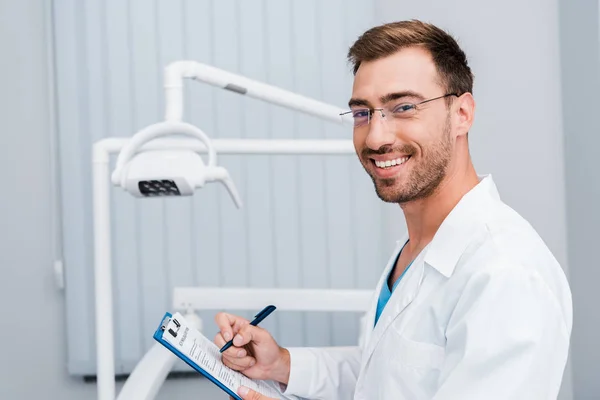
x=464 y=113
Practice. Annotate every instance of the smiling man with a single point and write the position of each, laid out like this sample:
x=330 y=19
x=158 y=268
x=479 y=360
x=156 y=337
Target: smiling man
x=472 y=304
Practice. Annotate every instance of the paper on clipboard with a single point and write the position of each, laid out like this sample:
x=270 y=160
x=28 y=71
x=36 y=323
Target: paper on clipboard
x=192 y=344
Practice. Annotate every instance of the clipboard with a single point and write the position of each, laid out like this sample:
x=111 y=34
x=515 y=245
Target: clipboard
x=180 y=338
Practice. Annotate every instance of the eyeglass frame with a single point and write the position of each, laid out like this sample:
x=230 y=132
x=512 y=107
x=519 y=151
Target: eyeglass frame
x=381 y=110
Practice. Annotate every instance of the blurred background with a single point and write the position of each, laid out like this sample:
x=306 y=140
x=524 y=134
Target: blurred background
x=73 y=72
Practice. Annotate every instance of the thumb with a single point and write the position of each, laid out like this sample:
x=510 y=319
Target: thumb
x=251 y=333
x=249 y=394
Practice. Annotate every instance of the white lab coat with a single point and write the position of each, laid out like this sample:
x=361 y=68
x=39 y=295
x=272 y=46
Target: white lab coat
x=483 y=313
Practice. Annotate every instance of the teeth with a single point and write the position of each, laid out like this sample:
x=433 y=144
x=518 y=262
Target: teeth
x=390 y=163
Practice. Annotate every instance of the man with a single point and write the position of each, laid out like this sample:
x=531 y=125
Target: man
x=472 y=304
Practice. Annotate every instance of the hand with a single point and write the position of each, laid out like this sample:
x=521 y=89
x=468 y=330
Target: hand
x=249 y=394
x=254 y=352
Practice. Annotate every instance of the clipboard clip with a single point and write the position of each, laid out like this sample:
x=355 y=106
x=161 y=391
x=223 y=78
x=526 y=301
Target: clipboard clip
x=165 y=324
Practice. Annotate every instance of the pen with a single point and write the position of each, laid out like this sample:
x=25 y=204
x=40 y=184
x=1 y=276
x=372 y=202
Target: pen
x=257 y=319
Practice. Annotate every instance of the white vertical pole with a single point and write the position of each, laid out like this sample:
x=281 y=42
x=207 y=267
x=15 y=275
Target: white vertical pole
x=102 y=275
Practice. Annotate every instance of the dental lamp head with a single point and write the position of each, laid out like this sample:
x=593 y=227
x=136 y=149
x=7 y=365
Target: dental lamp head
x=160 y=173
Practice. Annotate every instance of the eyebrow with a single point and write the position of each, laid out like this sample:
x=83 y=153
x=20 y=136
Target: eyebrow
x=386 y=98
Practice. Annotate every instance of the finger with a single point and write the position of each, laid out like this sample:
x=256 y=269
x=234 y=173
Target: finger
x=225 y=322
x=249 y=394
x=239 y=364
x=251 y=333
x=233 y=351
x=229 y=324
x=218 y=340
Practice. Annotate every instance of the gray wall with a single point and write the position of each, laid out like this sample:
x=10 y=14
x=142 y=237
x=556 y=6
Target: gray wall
x=519 y=111
x=27 y=289
x=581 y=88
x=513 y=48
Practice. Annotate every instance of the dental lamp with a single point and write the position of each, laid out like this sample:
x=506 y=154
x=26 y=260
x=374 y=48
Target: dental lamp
x=160 y=173
x=152 y=165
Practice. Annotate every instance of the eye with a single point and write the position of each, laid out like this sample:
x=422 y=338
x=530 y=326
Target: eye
x=360 y=113
x=402 y=108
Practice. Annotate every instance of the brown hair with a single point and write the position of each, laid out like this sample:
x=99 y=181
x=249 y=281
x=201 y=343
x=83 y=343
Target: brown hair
x=385 y=40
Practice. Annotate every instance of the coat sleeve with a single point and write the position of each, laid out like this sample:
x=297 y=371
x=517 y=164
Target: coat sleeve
x=323 y=373
x=508 y=338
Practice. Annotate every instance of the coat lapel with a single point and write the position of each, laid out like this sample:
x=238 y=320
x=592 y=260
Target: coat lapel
x=370 y=318
x=403 y=295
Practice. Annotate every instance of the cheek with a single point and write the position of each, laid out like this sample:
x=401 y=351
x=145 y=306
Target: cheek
x=412 y=140
x=359 y=142
x=421 y=134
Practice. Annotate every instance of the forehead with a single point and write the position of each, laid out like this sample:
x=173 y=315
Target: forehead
x=410 y=69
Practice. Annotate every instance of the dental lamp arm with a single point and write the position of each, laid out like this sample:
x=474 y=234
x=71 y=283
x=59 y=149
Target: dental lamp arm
x=176 y=71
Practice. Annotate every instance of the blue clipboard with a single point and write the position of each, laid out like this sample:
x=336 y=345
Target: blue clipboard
x=158 y=336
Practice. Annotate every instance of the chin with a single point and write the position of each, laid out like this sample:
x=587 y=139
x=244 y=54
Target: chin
x=395 y=191
x=389 y=192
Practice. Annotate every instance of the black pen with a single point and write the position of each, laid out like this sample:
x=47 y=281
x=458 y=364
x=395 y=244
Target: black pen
x=257 y=319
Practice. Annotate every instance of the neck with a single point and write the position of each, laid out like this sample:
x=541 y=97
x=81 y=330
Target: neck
x=424 y=216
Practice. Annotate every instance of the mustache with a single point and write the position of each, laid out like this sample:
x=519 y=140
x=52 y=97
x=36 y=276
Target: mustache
x=404 y=149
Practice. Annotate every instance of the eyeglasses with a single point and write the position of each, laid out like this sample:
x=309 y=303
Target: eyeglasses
x=362 y=116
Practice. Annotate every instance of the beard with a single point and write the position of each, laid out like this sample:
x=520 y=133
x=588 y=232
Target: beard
x=424 y=176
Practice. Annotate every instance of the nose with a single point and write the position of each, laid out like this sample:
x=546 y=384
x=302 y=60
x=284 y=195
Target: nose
x=380 y=132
